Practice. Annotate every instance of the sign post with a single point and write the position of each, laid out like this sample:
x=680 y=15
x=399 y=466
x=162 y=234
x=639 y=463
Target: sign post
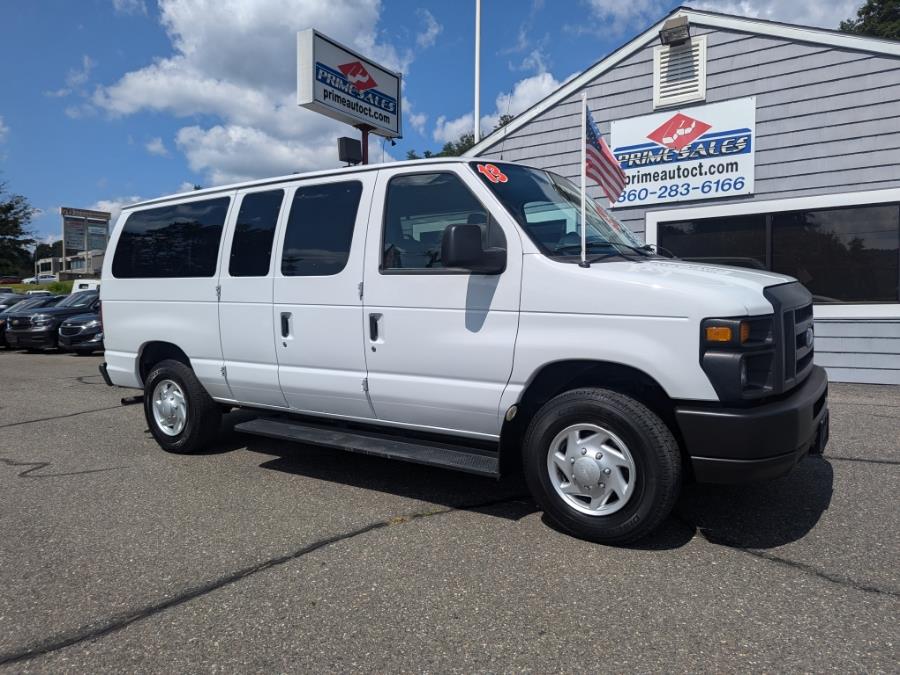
x=336 y=81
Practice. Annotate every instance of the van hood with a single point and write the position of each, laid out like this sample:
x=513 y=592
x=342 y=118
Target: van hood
x=649 y=287
x=716 y=275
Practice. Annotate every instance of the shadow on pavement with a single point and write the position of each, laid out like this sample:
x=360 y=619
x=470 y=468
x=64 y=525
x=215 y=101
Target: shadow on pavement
x=756 y=515
x=761 y=515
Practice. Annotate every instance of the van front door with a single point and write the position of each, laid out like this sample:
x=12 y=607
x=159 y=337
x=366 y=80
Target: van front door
x=439 y=341
x=318 y=311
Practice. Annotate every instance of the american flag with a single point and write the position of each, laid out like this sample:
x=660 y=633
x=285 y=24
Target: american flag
x=600 y=164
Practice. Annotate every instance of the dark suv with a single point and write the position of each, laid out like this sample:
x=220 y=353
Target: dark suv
x=38 y=328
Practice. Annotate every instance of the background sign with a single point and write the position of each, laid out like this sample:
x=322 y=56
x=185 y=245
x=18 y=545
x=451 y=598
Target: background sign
x=336 y=81
x=84 y=230
x=701 y=152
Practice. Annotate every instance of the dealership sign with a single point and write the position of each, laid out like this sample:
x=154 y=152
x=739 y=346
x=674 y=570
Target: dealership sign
x=342 y=84
x=702 y=152
x=84 y=230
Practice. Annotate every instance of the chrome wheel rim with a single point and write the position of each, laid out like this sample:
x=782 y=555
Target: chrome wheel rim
x=591 y=469
x=169 y=407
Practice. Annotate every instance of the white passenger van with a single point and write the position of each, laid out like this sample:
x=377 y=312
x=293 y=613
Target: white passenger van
x=435 y=311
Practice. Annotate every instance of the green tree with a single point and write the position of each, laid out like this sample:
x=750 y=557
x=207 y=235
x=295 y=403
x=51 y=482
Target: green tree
x=877 y=18
x=53 y=250
x=15 y=236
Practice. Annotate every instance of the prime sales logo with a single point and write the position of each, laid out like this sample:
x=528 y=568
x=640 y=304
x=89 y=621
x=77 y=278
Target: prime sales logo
x=358 y=75
x=678 y=131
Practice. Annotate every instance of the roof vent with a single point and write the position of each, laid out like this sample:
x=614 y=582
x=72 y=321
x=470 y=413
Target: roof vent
x=679 y=73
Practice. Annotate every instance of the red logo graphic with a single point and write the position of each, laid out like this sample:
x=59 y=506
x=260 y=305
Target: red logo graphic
x=679 y=131
x=492 y=173
x=357 y=74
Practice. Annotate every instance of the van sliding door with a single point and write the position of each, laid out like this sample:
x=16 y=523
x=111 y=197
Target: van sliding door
x=318 y=309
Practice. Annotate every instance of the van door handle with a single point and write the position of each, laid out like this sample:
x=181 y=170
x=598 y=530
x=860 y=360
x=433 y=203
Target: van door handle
x=373 y=326
x=285 y=324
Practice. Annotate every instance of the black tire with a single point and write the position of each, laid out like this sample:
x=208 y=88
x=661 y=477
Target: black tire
x=653 y=449
x=203 y=414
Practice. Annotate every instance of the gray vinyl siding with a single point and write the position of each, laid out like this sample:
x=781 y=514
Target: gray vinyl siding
x=827 y=121
x=859 y=351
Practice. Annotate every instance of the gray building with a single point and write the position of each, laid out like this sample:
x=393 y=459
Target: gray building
x=754 y=143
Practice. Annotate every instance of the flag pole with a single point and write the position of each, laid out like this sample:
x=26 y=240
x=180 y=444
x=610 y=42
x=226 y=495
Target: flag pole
x=584 y=262
x=477 y=129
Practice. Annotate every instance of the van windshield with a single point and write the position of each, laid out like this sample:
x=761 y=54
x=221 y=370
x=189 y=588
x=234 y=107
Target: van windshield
x=548 y=207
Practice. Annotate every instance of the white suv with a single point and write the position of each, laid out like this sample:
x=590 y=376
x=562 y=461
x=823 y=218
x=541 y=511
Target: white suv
x=435 y=311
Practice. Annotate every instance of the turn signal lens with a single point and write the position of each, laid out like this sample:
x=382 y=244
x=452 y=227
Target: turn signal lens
x=718 y=334
x=745 y=331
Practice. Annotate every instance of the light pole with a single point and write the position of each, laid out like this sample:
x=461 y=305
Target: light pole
x=477 y=70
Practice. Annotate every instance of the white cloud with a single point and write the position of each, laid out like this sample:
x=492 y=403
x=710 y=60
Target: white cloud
x=129 y=6
x=235 y=61
x=432 y=29
x=416 y=120
x=4 y=130
x=620 y=16
x=76 y=78
x=525 y=93
x=155 y=146
x=805 y=12
x=115 y=205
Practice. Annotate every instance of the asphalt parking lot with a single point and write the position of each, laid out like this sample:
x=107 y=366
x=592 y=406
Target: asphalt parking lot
x=263 y=556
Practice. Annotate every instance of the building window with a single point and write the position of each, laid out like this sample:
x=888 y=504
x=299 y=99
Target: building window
x=679 y=73
x=842 y=255
x=320 y=229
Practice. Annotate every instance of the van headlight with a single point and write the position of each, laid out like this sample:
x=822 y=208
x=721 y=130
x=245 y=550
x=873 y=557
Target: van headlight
x=738 y=356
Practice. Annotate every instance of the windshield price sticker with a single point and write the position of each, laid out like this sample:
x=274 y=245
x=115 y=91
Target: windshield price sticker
x=492 y=173
x=703 y=152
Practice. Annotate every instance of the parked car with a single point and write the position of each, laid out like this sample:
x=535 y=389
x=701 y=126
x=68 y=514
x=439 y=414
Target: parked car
x=23 y=304
x=10 y=280
x=6 y=290
x=30 y=280
x=47 y=278
x=7 y=300
x=85 y=285
x=38 y=292
x=440 y=311
x=38 y=328
x=82 y=334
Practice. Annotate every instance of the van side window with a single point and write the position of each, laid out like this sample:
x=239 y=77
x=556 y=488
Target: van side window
x=251 y=246
x=419 y=207
x=179 y=240
x=320 y=228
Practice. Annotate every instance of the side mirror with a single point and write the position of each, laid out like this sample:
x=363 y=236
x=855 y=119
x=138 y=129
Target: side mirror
x=461 y=247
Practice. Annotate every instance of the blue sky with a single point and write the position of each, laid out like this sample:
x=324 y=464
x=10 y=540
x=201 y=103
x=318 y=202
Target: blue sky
x=108 y=101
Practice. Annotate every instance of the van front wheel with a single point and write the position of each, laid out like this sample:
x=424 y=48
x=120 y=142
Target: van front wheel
x=602 y=465
x=181 y=415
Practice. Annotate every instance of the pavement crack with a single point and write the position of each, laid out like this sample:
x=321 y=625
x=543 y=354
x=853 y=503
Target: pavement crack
x=838 y=579
x=58 y=417
x=862 y=459
x=37 y=466
x=117 y=622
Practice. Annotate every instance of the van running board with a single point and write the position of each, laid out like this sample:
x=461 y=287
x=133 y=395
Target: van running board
x=431 y=453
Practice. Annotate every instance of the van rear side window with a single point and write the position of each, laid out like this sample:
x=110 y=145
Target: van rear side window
x=180 y=240
x=251 y=247
x=320 y=229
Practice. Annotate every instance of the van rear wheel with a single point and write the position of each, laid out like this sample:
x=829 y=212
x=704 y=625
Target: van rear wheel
x=181 y=415
x=602 y=465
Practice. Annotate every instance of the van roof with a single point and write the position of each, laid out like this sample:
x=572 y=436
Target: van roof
x=302 y=176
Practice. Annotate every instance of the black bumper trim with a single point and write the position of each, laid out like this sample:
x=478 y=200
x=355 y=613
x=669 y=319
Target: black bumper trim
x=728 y=445
x=105 y=375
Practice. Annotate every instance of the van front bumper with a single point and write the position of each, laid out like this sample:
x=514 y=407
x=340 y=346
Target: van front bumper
x=739 y=445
